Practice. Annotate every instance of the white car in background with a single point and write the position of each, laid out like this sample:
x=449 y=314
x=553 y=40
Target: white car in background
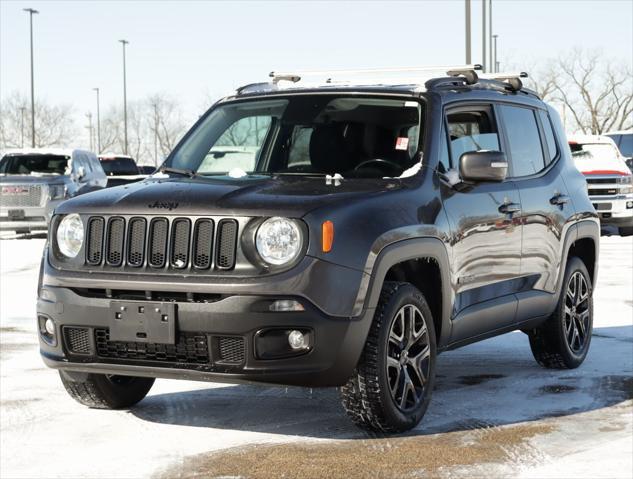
x=608 y=179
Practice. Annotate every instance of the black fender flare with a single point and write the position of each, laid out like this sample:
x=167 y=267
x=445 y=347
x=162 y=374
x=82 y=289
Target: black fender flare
x=398 y=252
x=584 y=229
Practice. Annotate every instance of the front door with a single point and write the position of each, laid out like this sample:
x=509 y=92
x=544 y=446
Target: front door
x=486 y=231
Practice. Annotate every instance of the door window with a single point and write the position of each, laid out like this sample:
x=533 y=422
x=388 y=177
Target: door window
x=549 y=135
x=524 y=141
x=471 y=131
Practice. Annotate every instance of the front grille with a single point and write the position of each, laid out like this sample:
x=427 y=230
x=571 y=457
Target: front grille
x=191 y=348
x=231 y=349
x=115 y=237
x=227 y=239
x=180 y=243
x=158 y=242
x=600 y=180
x=94 y=250
x=136 y=242
x=602 y=191
x=20 y=196
x=77 y=340
x=175 y=244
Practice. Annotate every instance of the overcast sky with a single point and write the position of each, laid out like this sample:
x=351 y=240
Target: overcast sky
x=200 y=50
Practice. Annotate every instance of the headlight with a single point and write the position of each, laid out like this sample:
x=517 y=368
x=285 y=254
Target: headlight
x=57 y=192
x=278 y=240
x=625 y=179
x=70 y=235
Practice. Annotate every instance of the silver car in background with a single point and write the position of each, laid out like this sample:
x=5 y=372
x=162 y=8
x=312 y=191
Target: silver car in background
x=34 y=181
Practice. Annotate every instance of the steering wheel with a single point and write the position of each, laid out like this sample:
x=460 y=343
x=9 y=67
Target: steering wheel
x=393 y=165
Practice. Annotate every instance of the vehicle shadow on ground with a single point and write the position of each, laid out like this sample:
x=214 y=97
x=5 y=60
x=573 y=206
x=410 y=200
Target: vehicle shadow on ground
x=473 y=390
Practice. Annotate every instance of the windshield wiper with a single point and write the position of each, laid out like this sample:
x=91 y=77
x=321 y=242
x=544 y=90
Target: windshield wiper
x=179 y=171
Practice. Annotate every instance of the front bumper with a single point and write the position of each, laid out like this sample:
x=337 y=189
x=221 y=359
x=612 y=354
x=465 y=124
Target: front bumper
x=239 y=311
x=34 y=218
x=614 y=211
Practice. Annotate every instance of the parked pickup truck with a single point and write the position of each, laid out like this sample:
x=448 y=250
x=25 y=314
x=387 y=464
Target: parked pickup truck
x=608 y=179
x=120 y=169
x=34 y=181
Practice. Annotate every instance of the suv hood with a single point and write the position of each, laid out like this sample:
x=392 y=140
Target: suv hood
x=251 y=196
x=602 y=166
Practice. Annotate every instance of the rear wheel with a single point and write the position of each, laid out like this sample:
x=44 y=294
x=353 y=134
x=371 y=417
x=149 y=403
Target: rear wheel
x=391 y=388
x=563 y=340
x=105 y=391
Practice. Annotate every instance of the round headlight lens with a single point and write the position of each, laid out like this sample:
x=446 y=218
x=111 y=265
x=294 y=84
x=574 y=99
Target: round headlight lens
x=278 y=240
x=70 y=235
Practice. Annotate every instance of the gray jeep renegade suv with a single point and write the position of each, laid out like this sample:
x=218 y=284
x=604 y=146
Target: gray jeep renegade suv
x=339 y=235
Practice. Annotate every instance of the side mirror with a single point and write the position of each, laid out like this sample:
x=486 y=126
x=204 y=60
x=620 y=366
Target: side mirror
x=483 y=166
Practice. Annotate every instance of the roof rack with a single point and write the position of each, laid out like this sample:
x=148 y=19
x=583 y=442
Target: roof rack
x=454 y=75
x=512 y=79
x=295 y=77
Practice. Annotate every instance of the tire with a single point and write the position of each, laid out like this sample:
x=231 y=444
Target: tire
x=625 y=230
x=378 y=397
x=101 y=391
x=562 y=342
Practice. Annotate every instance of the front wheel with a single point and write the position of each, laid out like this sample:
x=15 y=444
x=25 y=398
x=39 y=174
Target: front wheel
x=392 y=385
x=562 y=342
x=625 y=230
x=105 y=391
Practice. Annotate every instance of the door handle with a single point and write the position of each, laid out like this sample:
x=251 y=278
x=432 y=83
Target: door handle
x=559 y=199
x=509 y=208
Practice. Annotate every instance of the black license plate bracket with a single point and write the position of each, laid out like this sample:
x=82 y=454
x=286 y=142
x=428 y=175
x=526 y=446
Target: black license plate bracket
x=143 y=322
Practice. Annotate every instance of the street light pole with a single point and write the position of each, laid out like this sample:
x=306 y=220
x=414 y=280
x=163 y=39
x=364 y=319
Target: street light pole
x=491 y=66
x=124 y=42
x=31 y=12
x=22 y=110
x=90 y=130
x=468 y=51
x=98 y=123
x=483 y=34
x=496 y=63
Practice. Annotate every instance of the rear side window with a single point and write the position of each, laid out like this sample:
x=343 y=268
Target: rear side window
x=526 y=153
x=471 y=131
x=549 y=135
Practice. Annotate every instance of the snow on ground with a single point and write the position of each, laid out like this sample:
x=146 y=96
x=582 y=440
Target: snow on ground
x=494 y=412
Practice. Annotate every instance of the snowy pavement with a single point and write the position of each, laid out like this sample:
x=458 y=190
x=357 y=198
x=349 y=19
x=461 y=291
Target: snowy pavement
x=494 y=413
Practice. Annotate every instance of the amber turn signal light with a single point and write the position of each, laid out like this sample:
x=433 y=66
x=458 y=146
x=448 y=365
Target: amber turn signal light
x=327 y=236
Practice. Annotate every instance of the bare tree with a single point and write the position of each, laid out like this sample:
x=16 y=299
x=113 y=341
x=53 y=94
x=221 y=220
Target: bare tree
x=166 y=123
x=594 y=89
x=54 y=124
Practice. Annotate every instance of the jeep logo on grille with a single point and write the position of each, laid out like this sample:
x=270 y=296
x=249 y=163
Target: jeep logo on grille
x=15 y=190
x=164 y=205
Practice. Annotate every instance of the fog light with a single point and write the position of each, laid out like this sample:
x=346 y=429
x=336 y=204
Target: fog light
x=297 y=340
x=629 y=204
x=286 y=305
x=50 y=326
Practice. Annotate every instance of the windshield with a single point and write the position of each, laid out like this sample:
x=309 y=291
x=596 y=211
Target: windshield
x=305 y=135
x=119 y=166
x=589 y=151
x=34 y=165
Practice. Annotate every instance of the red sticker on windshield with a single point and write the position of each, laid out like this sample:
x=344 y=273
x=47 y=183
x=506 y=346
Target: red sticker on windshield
x=402 y=143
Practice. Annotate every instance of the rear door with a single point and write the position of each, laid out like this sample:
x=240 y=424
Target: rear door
x=533 y=154
x=486 y=233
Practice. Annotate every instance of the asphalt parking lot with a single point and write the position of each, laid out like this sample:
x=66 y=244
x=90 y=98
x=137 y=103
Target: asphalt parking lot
x=494 y=413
